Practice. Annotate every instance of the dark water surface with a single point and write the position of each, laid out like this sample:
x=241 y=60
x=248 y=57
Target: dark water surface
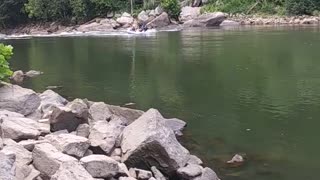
x=252 y=91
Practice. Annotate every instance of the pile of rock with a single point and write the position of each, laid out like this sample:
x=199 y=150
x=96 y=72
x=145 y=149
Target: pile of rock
x=274 y=20
x=44 y=136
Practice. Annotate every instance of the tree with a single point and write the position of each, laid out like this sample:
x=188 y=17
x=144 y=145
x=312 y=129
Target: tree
x=5 y=55
x=12 y=12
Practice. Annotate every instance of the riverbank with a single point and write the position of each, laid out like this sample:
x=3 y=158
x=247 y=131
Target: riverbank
x=190 y=17
x=45 y=136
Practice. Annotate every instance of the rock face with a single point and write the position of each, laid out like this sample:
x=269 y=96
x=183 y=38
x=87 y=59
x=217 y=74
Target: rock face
x=100 y=166
x=149 y=142
x=143 y=17
x=17 y=99
x=7 y=166
x=206 y=20
x=47 y=159
x=160 y=21
x=188 y=13
x=69 y=144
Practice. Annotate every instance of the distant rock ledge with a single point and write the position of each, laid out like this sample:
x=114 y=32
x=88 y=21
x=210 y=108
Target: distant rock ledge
x=44 y=136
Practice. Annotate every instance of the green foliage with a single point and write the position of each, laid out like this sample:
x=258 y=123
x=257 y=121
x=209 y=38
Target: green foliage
x=172 y=7
x=5 y=55
x=12 y=12
x=300 y=7
x=102 y=7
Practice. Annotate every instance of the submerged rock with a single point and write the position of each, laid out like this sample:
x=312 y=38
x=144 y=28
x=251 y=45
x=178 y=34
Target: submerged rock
x=17 y=99
x=33 y=73
x=149 y=142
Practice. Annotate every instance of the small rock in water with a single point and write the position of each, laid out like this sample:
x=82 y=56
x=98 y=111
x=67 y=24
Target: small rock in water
x=33 y=73
x=236 y=161
x=53 y=87
x=18 y=76
x=129 y=104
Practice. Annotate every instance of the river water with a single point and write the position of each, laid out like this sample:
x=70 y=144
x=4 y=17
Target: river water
x=253 y=91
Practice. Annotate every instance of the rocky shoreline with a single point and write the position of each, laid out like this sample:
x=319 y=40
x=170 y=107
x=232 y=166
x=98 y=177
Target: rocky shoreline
x=44 y=136
x=190 y=17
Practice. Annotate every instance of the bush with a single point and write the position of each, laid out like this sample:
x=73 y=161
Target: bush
x=300 y=7
x=12 y=12
x=5 y=55
x=172 y=7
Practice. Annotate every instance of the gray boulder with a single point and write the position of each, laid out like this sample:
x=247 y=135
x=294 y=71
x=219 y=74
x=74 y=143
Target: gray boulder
x=99 y=111
x=160 y=21
x=71 y=171
x=7 y=166
x=142 y=174
x=5 y=113
x=207 y=174
x=195 y=160
x=23 y=159
x=1 y=143
x=149 y=142
x=206 y=20
x=22 y=128
x=80 y=108
x=50 y=98
x=100 y=166
x=18 y=76
x=189 y=172
x=229 y=23
x=69 y=144
x=33 y=174
x=158 y=10
x=83 y=130
x=17 y=99
x=177 y=125
x=189 y=13
x=143 y=17
x=157 y=174
x=96 y=26
x=127 y=178
x=129 y=114
x=105 y=135
x=63 y=118
x=125 y=20
x=47 y=159
x=30 y=143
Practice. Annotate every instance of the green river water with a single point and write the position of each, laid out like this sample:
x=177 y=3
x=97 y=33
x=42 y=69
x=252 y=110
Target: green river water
x=254 y=91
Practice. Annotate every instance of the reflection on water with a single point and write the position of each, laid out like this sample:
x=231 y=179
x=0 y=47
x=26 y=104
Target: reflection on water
x=252 y=91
